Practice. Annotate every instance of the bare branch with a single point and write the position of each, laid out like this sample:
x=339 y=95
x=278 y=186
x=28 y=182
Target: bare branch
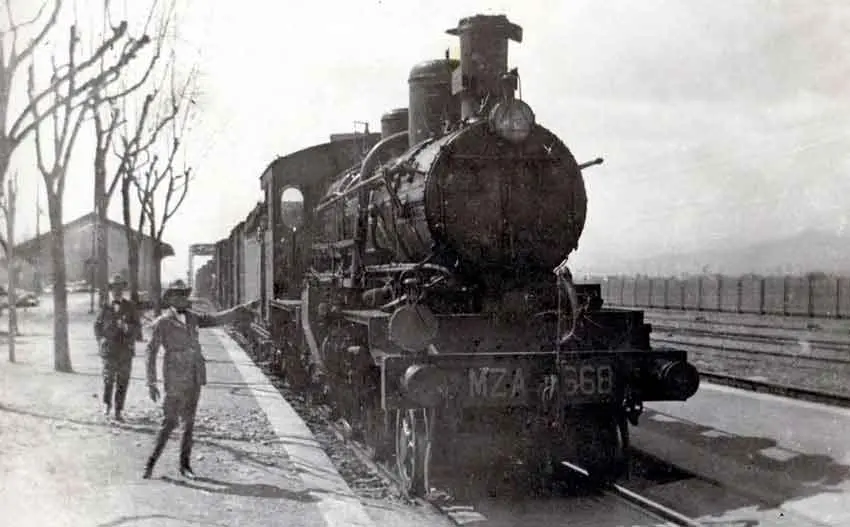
x=64 y=75
x=181 y=186
x=13 y=26
x=42 y=166
x=159 y=39
x=16 y=58
x=143 y=138
x=174 y=184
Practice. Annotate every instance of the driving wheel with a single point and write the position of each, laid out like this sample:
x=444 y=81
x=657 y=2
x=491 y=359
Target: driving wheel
x=413 y=449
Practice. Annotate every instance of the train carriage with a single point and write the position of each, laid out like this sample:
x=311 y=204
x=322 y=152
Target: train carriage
x=421 y=276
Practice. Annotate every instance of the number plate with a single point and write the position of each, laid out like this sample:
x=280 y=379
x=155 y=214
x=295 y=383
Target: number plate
x=586 y=380
x=487 y=385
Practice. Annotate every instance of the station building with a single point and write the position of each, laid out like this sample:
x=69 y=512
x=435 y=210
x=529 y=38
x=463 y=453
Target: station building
x=35 y=265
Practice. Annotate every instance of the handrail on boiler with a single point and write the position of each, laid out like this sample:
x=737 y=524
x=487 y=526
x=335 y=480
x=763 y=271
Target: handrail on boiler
x=367 y=167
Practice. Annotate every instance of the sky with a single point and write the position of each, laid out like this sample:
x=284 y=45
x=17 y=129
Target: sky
x=719 y=121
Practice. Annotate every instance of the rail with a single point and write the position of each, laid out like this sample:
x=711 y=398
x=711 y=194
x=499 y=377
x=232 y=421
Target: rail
x=673 y=342
x=769 y=335
x=660 y=510
x=613 y=490
x=756 y=385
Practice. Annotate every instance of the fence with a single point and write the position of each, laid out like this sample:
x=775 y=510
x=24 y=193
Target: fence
x=813 y=295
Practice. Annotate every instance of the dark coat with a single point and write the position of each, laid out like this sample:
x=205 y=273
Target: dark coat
x=183 y=365
x=117 y=324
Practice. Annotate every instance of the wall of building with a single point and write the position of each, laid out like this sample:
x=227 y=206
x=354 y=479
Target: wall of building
x=78 y=249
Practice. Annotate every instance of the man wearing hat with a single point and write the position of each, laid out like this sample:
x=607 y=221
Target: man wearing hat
x=183 y=365
x=115 y=328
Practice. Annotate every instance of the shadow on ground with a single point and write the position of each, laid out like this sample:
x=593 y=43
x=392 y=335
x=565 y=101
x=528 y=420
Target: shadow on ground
x=253 y=490
x=788 y=475
x=228 y=443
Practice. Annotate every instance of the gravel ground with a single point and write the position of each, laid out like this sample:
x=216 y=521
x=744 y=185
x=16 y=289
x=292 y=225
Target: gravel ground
x=363 y=479
x=72 y=466
x=65 y=464
x=382 y=500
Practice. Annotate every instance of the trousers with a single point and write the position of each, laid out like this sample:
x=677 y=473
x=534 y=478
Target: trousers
x=117 y=368
x=177 y=406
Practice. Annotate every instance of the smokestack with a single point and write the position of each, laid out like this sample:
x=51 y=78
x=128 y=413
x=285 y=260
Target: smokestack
x=483 y=59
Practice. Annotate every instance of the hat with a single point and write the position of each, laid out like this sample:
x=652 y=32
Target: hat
x=177 y=286
x=117 y=281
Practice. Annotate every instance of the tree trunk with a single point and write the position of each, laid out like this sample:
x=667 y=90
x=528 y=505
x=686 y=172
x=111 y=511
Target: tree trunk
x=101 y=241
x=6 y=149
x=132 y=241
x=11 y=198
x=156 y=291
x=134 y=266
x=61 y=352
x=102 y=272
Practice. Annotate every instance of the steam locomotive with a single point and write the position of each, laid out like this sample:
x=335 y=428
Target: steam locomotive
x=420 y=277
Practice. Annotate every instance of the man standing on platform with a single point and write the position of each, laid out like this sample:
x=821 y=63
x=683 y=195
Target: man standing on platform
x=115 y=329
x=183 y=368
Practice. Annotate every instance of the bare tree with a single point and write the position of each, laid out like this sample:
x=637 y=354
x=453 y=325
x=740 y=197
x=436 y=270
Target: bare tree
x=8 y=206
x=63 y=107
x=15 y=128
x=176 y=187
x=150 y=176
x=107 y=116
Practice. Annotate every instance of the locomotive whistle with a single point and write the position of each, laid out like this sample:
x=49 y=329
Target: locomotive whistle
x=597 y=161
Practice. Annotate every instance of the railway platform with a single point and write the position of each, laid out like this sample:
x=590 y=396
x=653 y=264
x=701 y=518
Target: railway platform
x=790 y=456
x=64 y=463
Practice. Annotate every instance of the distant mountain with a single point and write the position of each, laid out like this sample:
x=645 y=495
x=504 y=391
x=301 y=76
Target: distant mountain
x=808 y=251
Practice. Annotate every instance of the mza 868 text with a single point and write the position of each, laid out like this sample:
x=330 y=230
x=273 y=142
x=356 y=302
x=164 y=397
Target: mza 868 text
x=419 y=277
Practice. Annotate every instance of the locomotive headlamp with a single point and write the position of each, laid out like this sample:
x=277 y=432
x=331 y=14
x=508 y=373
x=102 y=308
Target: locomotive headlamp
x=512 y=119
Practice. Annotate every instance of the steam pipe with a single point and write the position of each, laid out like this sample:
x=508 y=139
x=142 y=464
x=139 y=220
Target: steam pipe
x=366 y=167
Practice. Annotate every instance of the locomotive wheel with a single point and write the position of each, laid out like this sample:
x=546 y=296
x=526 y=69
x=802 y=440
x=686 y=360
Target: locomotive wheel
x=413 y=450
x=602 y=442
x=293 y=366
x=276 y=360
x=378 y=432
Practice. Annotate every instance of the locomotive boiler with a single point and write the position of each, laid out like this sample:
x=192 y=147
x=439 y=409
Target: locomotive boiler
x=420 y=276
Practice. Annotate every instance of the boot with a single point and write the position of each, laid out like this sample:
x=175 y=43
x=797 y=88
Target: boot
x=161 y=439
x=186 y=471
x=148 y=469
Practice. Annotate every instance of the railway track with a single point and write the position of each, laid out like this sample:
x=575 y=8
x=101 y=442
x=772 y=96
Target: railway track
x=757 y=385
x=745 y=320
x=464 y=501
x=778 y=344
x=795 y=364
x=587 y=506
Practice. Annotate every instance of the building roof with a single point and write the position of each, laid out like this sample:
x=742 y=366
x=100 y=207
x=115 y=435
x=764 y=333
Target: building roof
x=31 y=245
x=255 y=217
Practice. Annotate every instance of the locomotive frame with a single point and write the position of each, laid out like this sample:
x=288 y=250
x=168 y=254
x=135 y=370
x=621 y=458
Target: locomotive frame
x=430 y=327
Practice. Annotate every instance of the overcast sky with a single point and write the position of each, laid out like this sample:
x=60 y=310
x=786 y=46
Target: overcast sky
x=719 y=121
